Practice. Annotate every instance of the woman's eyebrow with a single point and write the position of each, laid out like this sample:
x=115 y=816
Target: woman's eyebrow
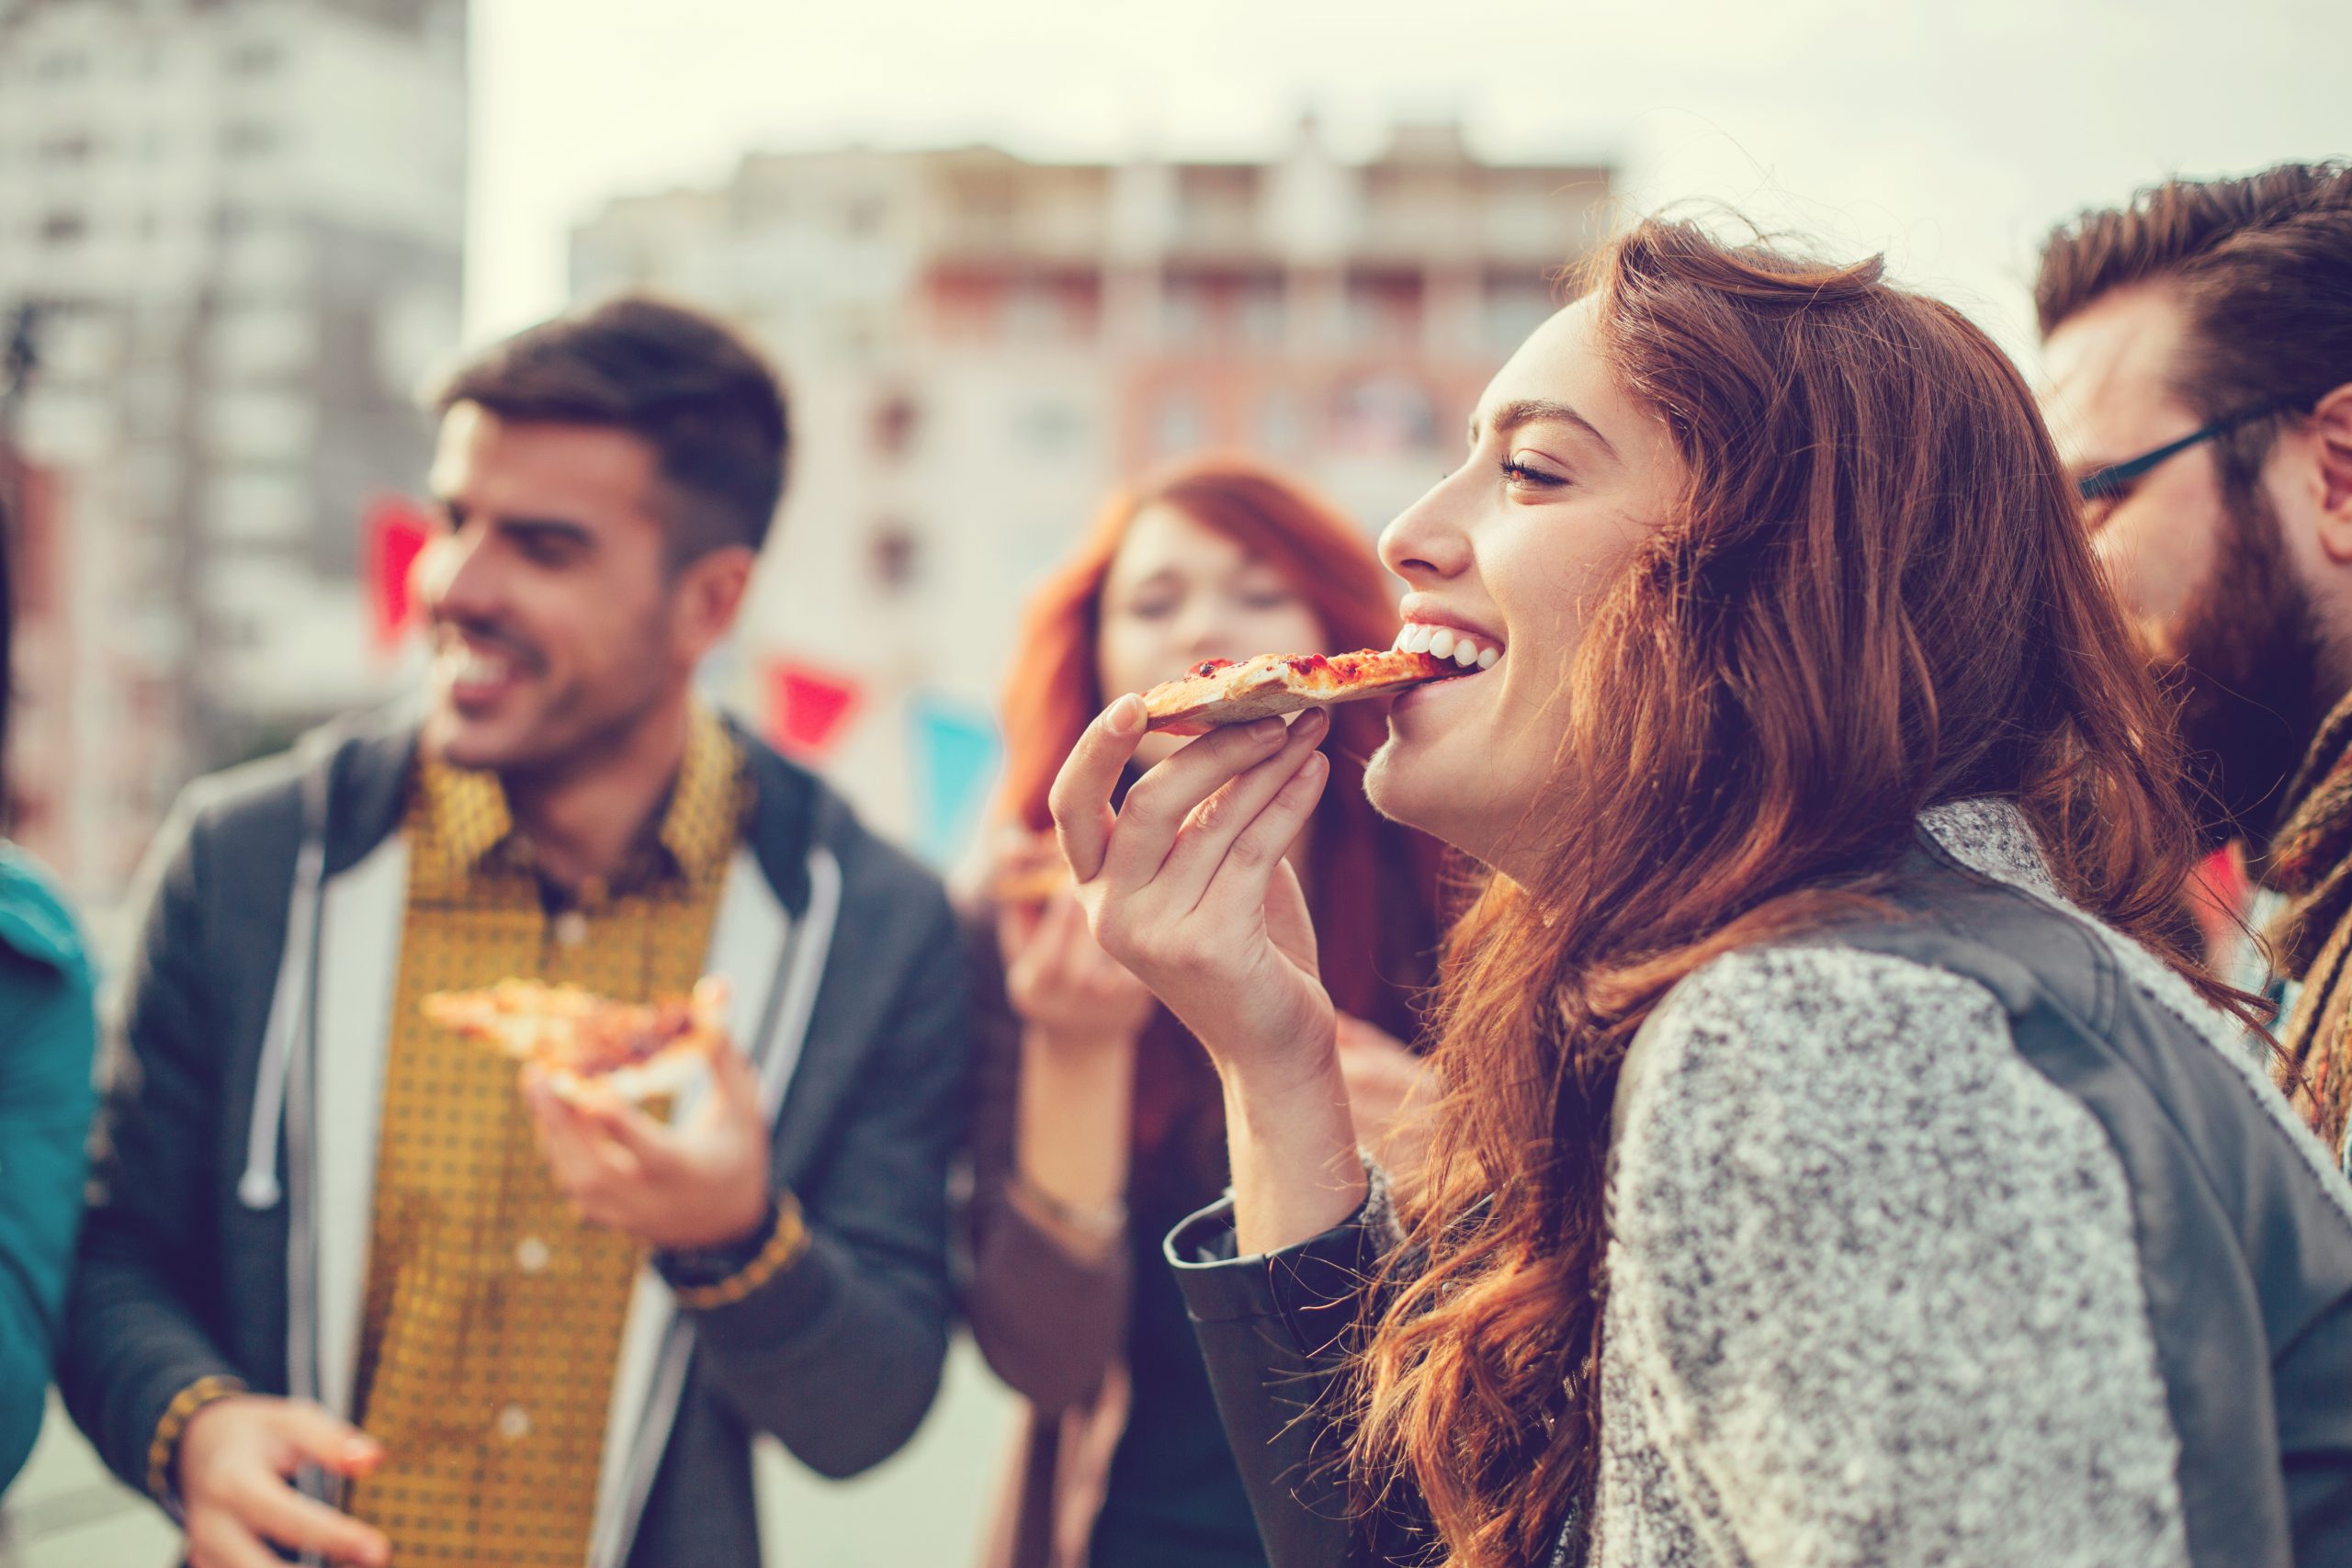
x=1537 y=410
x=1154 y=579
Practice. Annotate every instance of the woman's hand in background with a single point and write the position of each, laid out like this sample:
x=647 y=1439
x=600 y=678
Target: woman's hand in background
x=1068 y=992
x=1083 y=1016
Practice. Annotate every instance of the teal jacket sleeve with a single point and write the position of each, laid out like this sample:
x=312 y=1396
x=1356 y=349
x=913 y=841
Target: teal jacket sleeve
x=47 y=1038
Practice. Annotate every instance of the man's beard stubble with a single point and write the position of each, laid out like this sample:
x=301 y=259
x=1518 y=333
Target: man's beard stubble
x=2248 y=678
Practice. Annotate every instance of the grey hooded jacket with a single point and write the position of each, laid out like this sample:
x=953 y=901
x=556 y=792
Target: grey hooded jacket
x=228 y=1235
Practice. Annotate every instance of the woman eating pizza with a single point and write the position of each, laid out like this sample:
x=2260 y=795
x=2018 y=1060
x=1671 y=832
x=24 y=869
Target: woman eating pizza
x=1098 y=1124
x=1840 y=1162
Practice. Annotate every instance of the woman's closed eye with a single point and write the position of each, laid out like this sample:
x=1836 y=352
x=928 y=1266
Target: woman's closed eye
x=1262 y=597
x=1523 y=470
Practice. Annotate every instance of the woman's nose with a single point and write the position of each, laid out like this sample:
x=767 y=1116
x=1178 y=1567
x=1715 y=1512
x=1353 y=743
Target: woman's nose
x=1206 y=634
x=1428 y=540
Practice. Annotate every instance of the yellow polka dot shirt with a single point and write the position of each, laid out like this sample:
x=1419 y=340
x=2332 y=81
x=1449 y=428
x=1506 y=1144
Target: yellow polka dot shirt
x=492 y=1317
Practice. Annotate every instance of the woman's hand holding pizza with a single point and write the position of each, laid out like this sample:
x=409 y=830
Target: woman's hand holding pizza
x=703 y=1183
x=1187 y=886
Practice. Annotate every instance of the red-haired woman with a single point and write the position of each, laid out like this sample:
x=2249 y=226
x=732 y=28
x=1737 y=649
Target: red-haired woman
x=1840 y=1163
x=1098 y=1124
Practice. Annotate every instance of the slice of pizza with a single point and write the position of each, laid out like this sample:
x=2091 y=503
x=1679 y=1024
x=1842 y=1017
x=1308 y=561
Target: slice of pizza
x=635 y=1050
x=1221 y=692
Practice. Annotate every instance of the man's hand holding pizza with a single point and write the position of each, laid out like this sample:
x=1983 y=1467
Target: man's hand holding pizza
x=700 y=1185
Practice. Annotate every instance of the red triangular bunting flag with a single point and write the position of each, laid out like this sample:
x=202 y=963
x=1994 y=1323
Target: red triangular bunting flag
x=397 y=532
x=808 y=707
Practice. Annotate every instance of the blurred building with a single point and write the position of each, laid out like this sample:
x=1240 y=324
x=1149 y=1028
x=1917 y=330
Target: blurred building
x=979 y=347
x=241 y=225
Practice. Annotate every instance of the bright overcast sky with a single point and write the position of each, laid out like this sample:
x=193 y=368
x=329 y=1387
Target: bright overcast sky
x=1951 y=135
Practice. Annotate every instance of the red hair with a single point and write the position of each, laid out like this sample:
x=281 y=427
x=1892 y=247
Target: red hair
x=1370 y=884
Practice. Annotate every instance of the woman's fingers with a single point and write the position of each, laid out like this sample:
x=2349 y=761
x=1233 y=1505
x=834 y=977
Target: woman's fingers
x=1081 y=797
x=1161 y=802
x=1289 y=926
x=1237 y=887
x=1216 y=825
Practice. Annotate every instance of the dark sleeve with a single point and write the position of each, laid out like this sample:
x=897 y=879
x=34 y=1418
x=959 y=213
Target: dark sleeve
x=838 y=1355
x=1049 y=1319
x=135 y=1333
x=1276 y=1331
x=45 y=1103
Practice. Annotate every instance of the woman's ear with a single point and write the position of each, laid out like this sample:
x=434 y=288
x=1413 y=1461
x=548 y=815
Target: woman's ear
x=2331 y=481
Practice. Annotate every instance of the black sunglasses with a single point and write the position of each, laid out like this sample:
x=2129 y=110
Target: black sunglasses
x=2112 y=478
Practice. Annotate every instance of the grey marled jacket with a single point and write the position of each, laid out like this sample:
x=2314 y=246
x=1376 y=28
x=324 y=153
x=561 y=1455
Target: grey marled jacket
x=1972 y=1237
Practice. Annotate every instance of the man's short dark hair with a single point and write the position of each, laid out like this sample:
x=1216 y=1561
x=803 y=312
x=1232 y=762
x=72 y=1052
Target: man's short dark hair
x=679 y=380
x=2263 y=267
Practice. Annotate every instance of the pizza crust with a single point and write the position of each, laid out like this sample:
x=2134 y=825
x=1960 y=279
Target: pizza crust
x=1216 y=693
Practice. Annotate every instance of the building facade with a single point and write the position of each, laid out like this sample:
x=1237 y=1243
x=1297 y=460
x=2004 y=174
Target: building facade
x=979 y=347
x=239 y=225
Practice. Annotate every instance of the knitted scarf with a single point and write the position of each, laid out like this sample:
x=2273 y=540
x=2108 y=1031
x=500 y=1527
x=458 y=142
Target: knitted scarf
x=2310 y=861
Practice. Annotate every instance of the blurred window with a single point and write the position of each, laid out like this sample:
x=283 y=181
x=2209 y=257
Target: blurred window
x=1178 y=423
x=63 y=66
x=248 y=138
x=1035 y=313
x=259 y=339
x=1051 y=426
x=256 y=504
x=894 y=556
x=1513 y=308
x=1185 y=316
x=1259 y=313
x=1224 y=306
x=256 y=57
x=1282 y=422
x=896 y=421
x=1385 y=415
x=1217 y=206
x=1384 y=308
x=964 y=304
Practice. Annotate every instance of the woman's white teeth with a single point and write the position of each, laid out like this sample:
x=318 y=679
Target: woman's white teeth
x=1444 y=642
x=480 y=670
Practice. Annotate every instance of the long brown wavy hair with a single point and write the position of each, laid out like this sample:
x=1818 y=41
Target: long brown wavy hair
x=1371 y=884
x=1872 y=594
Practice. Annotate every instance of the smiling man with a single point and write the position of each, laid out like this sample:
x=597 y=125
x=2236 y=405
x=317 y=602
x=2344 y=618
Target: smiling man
x=2198 y=344
x=351 y=1288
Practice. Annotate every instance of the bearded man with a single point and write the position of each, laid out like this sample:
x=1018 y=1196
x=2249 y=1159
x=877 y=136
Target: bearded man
x=2199 y=348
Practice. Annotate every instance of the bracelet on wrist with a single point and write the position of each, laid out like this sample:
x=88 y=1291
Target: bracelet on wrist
x=1103 y=1221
